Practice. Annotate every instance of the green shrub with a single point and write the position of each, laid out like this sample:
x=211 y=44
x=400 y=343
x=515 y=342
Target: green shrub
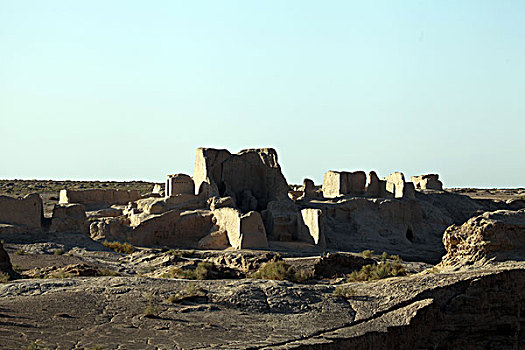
x=151 y=310
x=4 y=277
x=280 y=271
x=20 y=252
x=201 y=272
x=191 y=291
x=367 y=253
x=107 y=272
x=60 y=274
x=377 y=271
x=58 y=251
x=124 y=248
x=344 y=292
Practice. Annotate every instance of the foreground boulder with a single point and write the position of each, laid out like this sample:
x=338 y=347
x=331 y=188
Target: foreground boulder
x=497 y=236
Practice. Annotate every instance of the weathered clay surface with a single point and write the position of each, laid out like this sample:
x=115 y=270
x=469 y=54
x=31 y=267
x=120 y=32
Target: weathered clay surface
x=498 y=235
x=420 y=311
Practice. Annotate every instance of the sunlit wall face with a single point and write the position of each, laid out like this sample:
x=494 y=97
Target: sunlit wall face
x=129 y=89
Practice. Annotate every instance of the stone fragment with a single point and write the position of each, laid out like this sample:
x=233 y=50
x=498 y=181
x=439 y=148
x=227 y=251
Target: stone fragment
x=427 y=182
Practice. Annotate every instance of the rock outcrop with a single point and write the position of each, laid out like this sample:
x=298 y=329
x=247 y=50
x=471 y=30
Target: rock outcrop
x=492 y=236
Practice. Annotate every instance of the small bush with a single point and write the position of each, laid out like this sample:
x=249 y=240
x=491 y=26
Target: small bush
x=58 y=251
x=377 y=271
x=124 y=248
x=4 y=277
x=201 y=272
x=280 y=271
x=433 y=269
x=191 y=291
x=176 y=252
x=20 y=252
x=385 y=256
x=367 y=253
x=107 y=272
x=344 y=292
x=36 y=345
x=59 y=274
x=151 y=311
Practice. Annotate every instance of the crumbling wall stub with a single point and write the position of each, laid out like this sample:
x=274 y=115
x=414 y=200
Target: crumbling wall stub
x=427 y=182
x=250 y=173
x=92 y=198
x=243 y=231
x=341 y=183
x=179 y=184
x=26 y=212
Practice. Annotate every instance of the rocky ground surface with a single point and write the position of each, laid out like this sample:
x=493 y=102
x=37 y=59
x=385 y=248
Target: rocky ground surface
x=68 y=291
x=428 y=310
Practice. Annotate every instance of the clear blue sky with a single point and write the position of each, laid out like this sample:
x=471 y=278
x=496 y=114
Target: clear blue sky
x=121 y=90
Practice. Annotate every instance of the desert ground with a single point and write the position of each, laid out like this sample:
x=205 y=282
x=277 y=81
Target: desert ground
x=240 y=259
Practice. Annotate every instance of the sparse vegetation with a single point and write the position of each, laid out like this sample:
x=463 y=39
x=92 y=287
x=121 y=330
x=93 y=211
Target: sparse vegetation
x=20 y=188
x=58 y=251
x=433 y=269
x=151 y=310
x=124 y=248
x=20 y=252
x=59 y=274
x=107 y=272
x=4 y=277
x=35 y=345
x=377 y=271
x=201 y=272
x=280 y=270
x=344 y=292
x=367 y=253
x=191 y=291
